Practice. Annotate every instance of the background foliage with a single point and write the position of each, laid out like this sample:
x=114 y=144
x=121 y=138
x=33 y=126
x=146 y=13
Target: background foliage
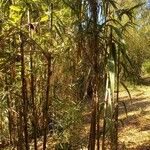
x=59 y=58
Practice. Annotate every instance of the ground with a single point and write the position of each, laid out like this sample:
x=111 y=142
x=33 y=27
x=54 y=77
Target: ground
x=134 y=129
x=134 y=125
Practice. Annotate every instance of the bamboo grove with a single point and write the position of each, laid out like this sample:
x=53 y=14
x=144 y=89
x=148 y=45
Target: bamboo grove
x=55 y=56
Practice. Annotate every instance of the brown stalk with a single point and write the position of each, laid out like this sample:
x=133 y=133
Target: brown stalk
x=94 y=50
x=32 y=89
x=47 y=102
x=49 y=73
x=117 y=101
x=24 y=92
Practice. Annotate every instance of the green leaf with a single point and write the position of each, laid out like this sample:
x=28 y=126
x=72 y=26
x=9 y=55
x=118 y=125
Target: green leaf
x=15 y=18
x=126 y=90
x=113 y=3
x=117 y=31
x=15 y=8
x=136 y=6
x=59 y=33
x=44 y=18
x=111 y=67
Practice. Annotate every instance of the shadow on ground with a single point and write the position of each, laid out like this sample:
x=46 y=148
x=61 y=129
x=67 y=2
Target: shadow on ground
x=136 y=104
x=145 y=146
x=145 y=81
x=135 y=128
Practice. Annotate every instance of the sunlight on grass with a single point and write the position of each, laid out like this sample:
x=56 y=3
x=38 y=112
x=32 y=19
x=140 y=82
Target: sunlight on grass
x=135 y=134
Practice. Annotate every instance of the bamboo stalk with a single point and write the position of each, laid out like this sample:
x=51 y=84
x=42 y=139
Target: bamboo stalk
x=49 y=72
x=32 y=88
x=117 y=101
x=47 y=102
x=24 y=93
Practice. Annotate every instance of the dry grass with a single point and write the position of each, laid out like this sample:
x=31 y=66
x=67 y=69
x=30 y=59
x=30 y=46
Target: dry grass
x=135 y=133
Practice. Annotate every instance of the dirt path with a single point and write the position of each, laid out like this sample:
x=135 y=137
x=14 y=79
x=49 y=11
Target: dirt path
x=134 y=130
